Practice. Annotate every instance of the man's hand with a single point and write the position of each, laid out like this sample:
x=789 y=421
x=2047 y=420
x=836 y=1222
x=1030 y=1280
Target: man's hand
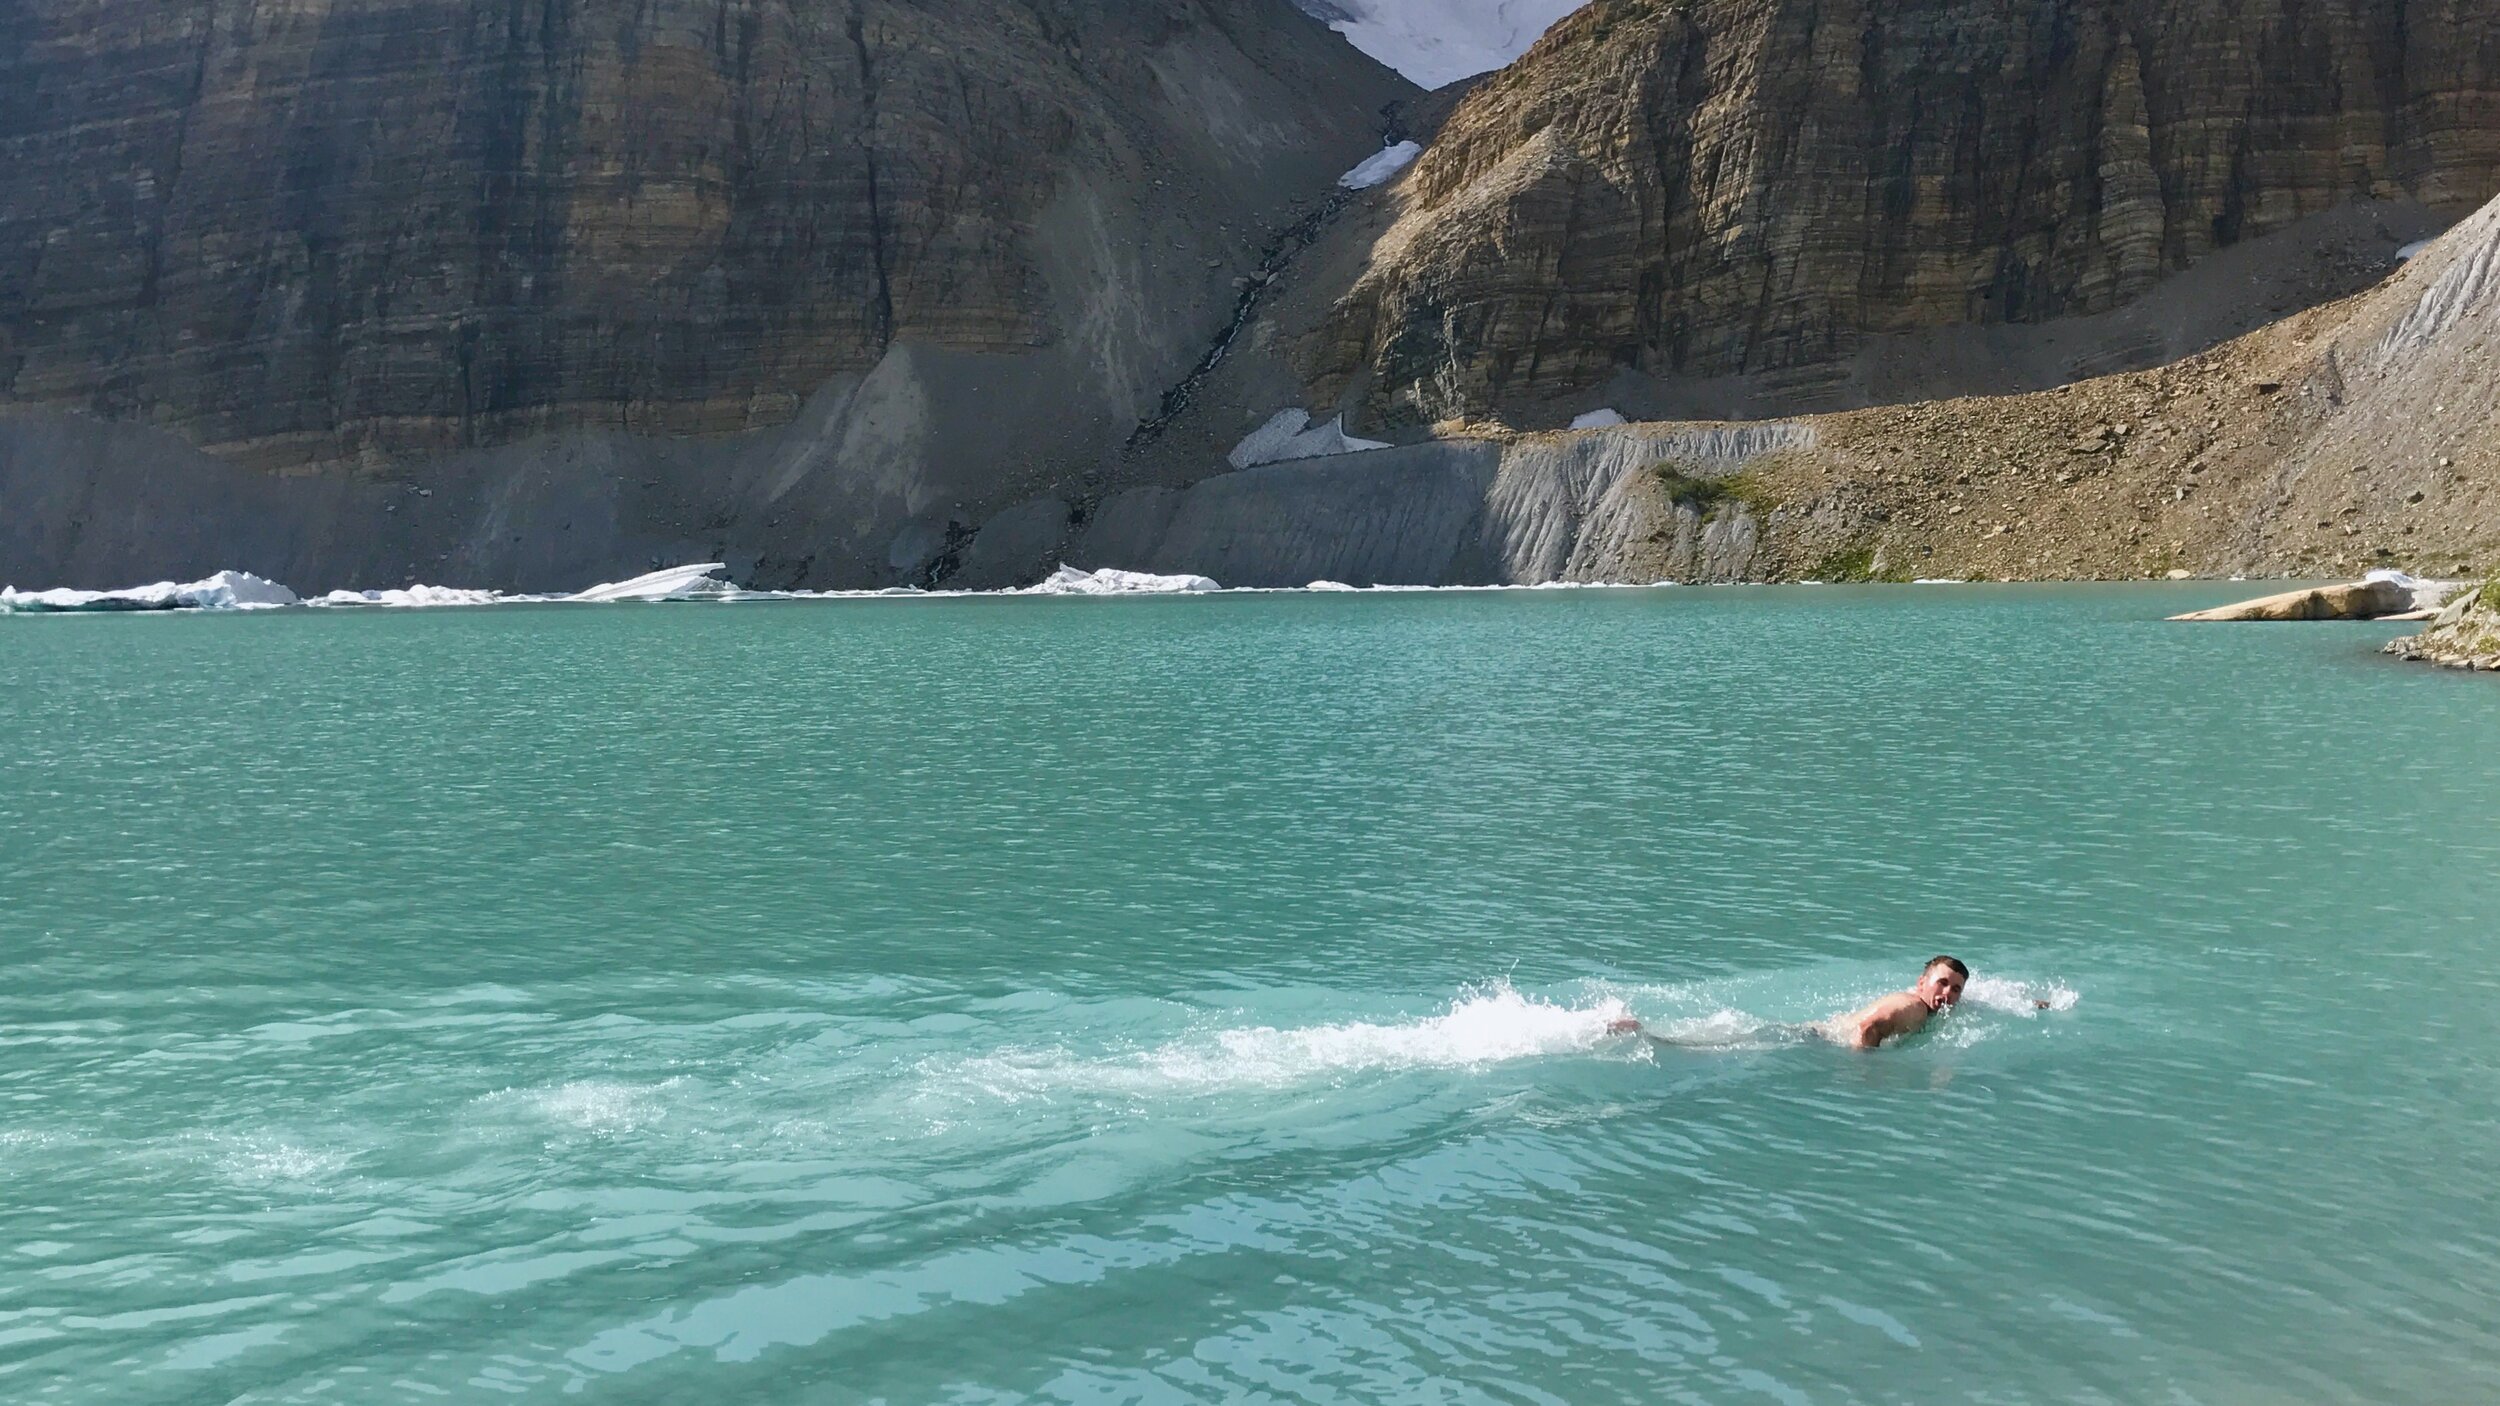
x=1623 y=1025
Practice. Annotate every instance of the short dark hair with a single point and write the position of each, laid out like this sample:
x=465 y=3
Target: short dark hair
x=1940 y=960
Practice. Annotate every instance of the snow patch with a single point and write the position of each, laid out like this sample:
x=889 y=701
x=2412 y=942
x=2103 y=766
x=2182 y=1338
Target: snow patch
x=1378 y=168
x=1287 y=435
x=227 y=590
x=1110 y=581
x=1605 y=418
x=1438 y=42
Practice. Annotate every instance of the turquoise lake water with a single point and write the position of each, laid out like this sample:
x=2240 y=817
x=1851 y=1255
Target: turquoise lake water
x=1203 y=1000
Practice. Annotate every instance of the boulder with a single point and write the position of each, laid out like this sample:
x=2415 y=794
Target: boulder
x=2356 y=600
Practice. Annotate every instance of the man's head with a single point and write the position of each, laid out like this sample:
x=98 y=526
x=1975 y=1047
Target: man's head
x=1940 y=984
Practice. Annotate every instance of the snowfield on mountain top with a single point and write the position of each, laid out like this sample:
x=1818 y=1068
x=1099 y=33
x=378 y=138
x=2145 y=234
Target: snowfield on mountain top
x=1438 y=42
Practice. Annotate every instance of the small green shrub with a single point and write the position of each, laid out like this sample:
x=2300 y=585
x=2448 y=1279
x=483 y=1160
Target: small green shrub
x=1854 y=565
x=1706 y=496
x=1849 y=565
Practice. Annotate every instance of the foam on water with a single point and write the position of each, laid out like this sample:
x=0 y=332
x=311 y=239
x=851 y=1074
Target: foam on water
x=1494 y=1024
x=597 y=1106
x=2013 y=997
x=265 y=1159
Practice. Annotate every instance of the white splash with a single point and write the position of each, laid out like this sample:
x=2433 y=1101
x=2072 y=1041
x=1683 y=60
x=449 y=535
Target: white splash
x=1494 y=1025
x=1381 y=166
x=598 y=1106
x=258 y=1159
x=2012 y=997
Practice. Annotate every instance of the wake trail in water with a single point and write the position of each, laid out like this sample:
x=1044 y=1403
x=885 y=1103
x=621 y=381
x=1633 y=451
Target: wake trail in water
x=1491 y=1025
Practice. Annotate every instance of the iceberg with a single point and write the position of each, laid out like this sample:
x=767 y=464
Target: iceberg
x=1110 y=581
x=670 y=583
x=1381 y=166
x=227 y=590
x=417 y=598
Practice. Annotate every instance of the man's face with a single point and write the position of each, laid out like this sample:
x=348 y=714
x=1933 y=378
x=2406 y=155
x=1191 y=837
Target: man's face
x=1940 y=987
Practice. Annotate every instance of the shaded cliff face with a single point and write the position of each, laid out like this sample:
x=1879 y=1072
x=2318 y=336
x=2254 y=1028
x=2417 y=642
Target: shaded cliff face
x=322 y=234
x=1687 y=189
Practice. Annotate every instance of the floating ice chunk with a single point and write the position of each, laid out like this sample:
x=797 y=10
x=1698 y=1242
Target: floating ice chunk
x=227 y=590
x=1381 y=166
x=417 y=597
x=1598 y=419
x=671 y=583
x=1110 y=581
x=1328 y=586
x=234 y=590
x=1284 y=436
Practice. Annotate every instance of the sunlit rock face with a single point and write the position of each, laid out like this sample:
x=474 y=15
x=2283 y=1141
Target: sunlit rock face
x=1722 y=189
x=319 y=234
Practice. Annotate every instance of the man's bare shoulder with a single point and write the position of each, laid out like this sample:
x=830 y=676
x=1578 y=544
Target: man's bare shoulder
x=1898 y=1013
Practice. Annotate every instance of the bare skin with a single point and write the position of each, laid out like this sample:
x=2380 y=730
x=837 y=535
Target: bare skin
x=1890 y=1017
x=1939 y=989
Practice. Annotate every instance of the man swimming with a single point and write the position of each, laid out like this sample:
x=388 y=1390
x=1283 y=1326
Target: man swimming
x=1939 y=989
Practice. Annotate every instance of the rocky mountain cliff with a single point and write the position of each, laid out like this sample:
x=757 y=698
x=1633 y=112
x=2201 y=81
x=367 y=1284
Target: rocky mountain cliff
x=318 y=234
x=2359 y=434
x=1676 y=200
x=530 y=293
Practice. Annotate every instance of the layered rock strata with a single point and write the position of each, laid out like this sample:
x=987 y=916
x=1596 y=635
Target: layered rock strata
x=2358 y=435
x=1682 y=191
x=315 y=235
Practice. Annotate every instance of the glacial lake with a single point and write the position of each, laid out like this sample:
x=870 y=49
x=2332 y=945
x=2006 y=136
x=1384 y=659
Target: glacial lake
x=1203 y=999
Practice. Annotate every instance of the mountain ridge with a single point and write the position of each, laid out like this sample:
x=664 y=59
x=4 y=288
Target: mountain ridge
x=1667 y=192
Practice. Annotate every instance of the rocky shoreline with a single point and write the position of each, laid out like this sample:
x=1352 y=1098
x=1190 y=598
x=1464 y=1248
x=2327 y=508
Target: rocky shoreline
x=2465 y=635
